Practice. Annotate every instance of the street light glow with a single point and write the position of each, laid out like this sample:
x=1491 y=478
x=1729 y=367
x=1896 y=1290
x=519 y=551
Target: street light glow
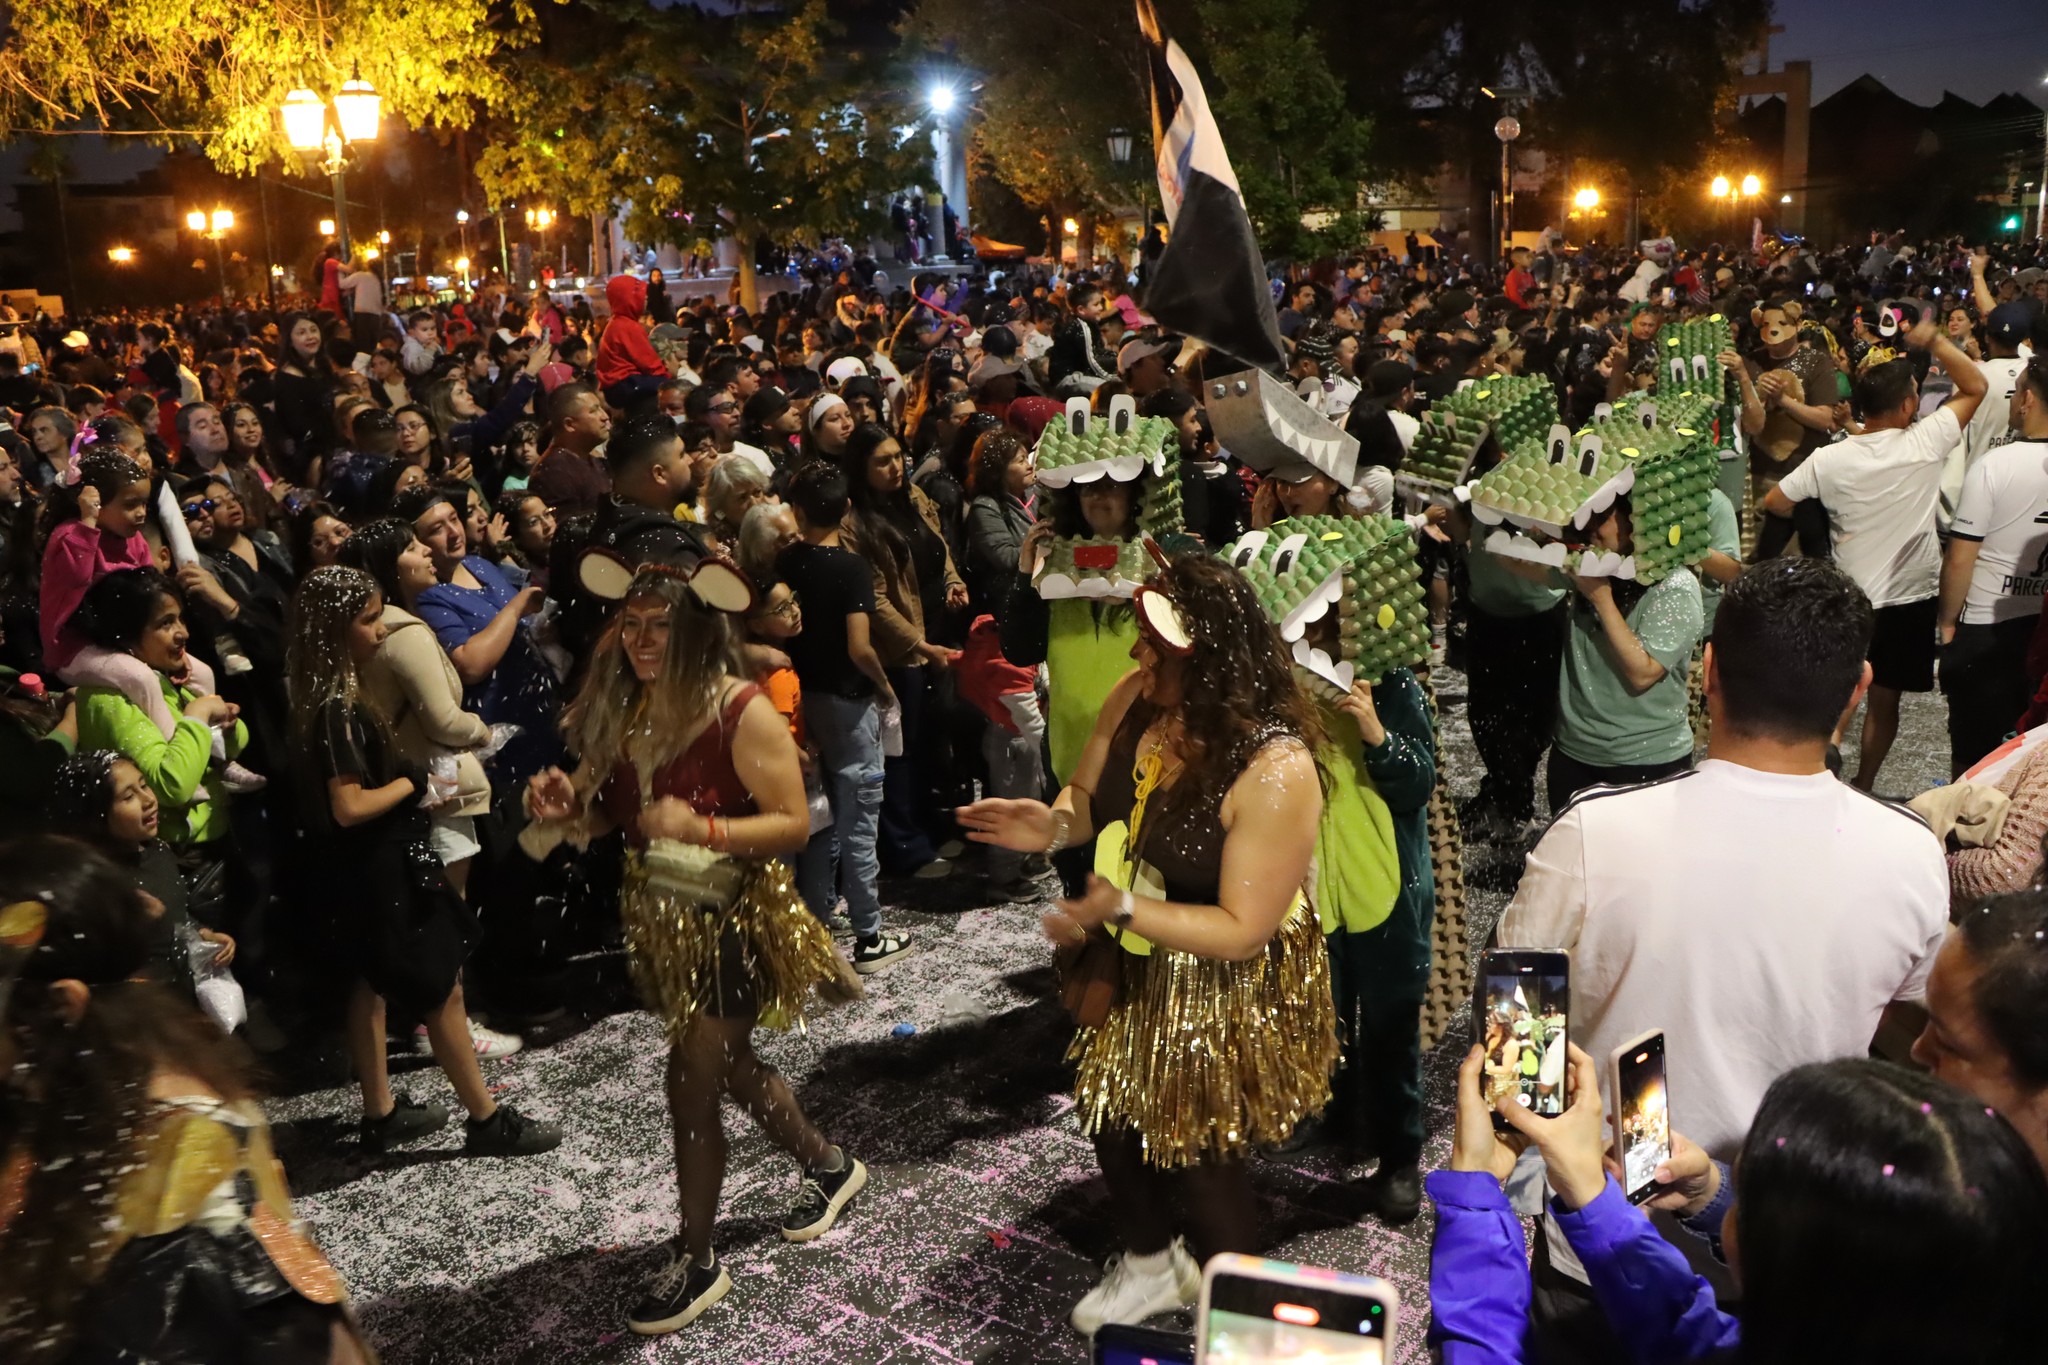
x=384 y=237
x=371 y=253
x=941 y=97
x=326 y=227
x=1588 y=198
x=462 y=264
x=196 y=220
x=462 y=215
x=540 y=218
x=223 y=219
x=356 y=108
x=1751 y=186
x=305 y=120
x=120 y=255
x=1784 y=198
x=1719 y=189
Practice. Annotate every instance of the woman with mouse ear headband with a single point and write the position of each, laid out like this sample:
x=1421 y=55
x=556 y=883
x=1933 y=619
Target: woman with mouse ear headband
x=1213 y=1030
x=694 y=764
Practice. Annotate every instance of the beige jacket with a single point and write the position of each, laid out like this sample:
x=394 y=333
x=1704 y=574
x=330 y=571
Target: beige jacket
x=412 y=680
x=898 y=626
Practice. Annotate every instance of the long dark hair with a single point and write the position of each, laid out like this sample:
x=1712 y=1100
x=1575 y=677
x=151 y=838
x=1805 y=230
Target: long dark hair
x=876 y=516
x=375 y=549
x=75 y=1106
x=1860 y=1179
x=107 y=472
x=1237 y=689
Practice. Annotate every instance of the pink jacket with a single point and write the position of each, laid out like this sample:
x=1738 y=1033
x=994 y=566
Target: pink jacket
x=77 y=557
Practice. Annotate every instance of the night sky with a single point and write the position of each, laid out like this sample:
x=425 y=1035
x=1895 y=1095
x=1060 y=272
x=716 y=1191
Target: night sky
x=1919 y=47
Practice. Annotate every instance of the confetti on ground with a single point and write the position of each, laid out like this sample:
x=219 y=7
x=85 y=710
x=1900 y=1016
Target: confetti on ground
x=964 y=1127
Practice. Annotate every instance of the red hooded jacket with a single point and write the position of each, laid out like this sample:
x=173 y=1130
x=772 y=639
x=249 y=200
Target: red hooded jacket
x=624 y=350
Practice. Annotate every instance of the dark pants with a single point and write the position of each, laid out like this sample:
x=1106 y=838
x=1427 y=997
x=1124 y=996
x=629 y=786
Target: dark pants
x=1809 y=520
x=1567 y=1325
x=1568 y=777
x=1984 y=674
x=1378 y=980
x=367 y=330
x=904 y=845
x=1512 y=680
x=629 y=393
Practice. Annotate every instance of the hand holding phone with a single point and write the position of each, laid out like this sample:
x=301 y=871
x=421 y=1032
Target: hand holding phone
x=1519 y=1015
x=1574 y=1144
x=1260 y=1312
x=1642 y=1114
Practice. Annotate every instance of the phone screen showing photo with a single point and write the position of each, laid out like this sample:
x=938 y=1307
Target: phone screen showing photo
x=1644 y=1123
x=1264 y=1322
x=1525 y=998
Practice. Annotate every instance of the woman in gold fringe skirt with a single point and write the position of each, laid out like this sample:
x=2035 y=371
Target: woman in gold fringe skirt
x=699 y=770
x=1200 y=787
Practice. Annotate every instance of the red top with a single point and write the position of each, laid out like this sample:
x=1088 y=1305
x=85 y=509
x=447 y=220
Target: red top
x=702 y=775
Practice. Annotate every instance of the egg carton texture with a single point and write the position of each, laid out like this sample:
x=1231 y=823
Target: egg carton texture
x=1363 y=570
x=1537 y=504
x=1689 y=357
x=1510 y=409
x=1082 y=448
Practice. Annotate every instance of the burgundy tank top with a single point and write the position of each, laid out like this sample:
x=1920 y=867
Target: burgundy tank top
x=702 y=775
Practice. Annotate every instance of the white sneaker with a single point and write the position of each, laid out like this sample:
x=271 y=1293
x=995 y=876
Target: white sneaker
x=489 y=1043
x=1130 y=1292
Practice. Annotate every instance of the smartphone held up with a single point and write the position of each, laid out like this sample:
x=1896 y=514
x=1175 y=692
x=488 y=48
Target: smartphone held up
x=1260 y=1312
x=1520 y=1013
x=1642 y=1114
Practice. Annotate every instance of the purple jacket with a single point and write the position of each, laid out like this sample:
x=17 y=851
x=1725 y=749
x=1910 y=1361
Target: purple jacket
x=1479 y=1277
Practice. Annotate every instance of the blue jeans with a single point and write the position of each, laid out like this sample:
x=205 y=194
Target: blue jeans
x=848 y=734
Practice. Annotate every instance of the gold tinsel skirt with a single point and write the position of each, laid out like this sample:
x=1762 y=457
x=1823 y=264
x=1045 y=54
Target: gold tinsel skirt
x=682 y=954
x=1206 y=1058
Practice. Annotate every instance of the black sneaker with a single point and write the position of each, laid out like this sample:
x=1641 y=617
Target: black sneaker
x=406 y=1121
x=819 y=1202
x=873 y=954
x=1395 y=1193
x=678 y=1294
x=507 y=1132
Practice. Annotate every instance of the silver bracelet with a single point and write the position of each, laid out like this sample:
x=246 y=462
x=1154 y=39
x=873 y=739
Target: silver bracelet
x=1061 y=823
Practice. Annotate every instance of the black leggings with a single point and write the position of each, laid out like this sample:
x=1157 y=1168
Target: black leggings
x=716 y=1058
x=1216 y=1202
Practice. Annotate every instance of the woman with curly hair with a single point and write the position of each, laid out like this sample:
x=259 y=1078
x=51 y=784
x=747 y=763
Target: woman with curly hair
x=697 y=768
x=1201 y=781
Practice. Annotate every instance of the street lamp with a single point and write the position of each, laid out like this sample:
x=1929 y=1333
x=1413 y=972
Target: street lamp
x=326 y=227
x=1586 y=199
x=333 y=127
x=540 y=220
x=213 y=228
x=1507 y=130
x=121 y=255
x=462 y=222
x=1120 y=145
x=1719 y=189
x=1751 y=187
x=941 y=97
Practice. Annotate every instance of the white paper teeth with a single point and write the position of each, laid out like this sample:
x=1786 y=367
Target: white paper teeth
x=1514 y=546
x=1320 y=664
x=1313 y=607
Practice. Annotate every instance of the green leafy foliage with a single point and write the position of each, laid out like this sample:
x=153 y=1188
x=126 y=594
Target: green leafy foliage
x=746 y=121
x=222 y=68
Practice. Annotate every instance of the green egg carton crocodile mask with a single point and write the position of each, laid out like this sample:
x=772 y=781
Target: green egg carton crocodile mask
x=1081 y=449
x=1346 y=593
x=1509 y=408
x=1539 y=502
x=1689 y=357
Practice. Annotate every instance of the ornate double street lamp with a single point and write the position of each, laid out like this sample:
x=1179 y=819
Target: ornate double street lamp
x=333 y=128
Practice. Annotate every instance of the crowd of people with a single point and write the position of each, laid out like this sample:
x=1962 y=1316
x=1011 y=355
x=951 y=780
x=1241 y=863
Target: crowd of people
x=359 y=670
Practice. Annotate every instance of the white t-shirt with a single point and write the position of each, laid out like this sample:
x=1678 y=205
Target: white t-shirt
x=1762 y=920
x=1987 y=429
x=1880 y=490
x=1405 y=427
x=2005 y=506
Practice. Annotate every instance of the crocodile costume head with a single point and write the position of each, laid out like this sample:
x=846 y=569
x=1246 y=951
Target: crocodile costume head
x=1540 y=502
x=1509 y=409
x=1689 y=357
x=1346 y=593
x=1081 y=449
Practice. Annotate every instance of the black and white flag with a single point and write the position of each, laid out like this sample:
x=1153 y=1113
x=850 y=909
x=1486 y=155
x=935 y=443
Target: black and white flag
x=1210 y=282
